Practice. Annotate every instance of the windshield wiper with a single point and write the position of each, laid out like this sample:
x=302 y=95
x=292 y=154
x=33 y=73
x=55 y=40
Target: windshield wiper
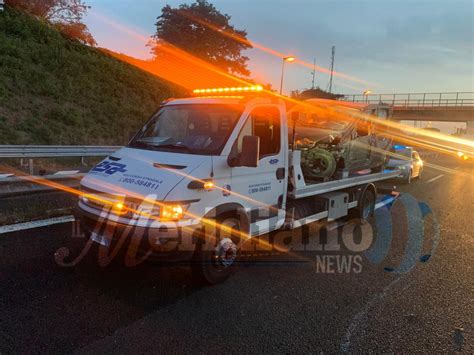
x=179 y=146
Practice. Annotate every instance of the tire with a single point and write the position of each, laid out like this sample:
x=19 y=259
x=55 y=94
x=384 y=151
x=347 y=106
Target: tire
x=214 y=266
x=318 y=163
x=408 y=178
x=366 y=204
x=419 y=174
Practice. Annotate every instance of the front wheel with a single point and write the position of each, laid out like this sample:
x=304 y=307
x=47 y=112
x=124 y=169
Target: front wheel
x=408 y=178
x=215 y=264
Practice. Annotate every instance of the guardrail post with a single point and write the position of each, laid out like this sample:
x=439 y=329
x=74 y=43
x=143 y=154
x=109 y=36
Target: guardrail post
x=457 y=95
x=30 y=166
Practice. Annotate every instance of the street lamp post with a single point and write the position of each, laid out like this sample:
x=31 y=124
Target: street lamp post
x=288 y=59
x=366 y=94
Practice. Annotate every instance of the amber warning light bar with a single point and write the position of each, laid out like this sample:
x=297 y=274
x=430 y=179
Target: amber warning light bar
x=229 y=90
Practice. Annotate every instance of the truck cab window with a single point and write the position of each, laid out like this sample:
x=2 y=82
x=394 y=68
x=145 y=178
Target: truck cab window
x=382 y=113
x=263 y=122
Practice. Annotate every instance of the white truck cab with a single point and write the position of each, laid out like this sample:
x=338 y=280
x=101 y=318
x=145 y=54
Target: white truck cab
x=222 y=159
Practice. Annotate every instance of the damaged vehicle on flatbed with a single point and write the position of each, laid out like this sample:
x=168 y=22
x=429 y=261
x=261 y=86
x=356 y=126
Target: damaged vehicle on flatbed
x=336 y=142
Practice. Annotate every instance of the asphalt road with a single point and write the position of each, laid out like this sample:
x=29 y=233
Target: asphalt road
x=272 y=307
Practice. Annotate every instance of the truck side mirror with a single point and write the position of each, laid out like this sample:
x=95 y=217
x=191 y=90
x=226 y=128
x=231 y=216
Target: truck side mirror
x=250 y=151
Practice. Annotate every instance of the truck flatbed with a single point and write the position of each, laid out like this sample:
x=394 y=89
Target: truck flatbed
x=335 y=185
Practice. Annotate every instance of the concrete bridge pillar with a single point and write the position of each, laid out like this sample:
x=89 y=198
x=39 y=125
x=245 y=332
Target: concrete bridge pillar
x=470 y=127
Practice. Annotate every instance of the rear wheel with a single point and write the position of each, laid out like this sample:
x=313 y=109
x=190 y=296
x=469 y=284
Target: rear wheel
x=217 y=264
x=366 y=204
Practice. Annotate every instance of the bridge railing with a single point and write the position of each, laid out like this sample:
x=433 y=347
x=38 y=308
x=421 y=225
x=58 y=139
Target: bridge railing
x=441 y=99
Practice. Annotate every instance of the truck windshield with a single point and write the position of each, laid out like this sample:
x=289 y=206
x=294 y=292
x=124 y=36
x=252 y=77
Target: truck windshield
x=195 y=128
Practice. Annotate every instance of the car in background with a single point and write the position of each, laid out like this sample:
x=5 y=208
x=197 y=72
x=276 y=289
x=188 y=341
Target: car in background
x=407 y=160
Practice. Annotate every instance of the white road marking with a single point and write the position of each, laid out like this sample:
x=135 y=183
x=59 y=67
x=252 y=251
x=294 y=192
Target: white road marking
x=67 y=172
x=35 y=224
x=383 y=203
x=361 y=318
x=3 y=176
x=435 y=178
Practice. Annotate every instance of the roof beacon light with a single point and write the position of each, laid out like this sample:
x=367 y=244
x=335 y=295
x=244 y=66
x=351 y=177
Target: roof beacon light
x=239 y=89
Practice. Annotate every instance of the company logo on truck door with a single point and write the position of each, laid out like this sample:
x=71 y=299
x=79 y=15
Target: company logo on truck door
x=110 y=168
x=226 y=190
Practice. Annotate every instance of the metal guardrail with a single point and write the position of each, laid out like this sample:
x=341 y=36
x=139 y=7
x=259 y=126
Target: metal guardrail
x=15 y=186
x=54 y=151
x=440 y=99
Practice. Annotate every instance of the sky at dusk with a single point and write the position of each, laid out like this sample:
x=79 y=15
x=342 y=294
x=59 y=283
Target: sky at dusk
x=399 y=46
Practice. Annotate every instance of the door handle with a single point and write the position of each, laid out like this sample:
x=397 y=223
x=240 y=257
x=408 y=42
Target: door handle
x=280 y=173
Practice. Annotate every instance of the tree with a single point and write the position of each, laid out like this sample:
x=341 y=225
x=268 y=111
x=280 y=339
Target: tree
x=201 y=30
x=77 y=31
x=66 y=15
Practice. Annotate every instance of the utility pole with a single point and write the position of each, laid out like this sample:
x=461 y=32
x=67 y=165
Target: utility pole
x=313 y=73
x=332 y=67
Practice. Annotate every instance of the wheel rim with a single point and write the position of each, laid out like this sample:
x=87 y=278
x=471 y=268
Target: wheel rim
x=225 y=253
x=367 y=205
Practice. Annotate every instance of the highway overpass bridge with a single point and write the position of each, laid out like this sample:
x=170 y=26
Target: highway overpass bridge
x=442 y=106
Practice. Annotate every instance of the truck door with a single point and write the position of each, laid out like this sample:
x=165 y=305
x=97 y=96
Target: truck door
x=265 y=184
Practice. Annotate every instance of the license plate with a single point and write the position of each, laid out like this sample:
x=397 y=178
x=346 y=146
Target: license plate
x=100 y=239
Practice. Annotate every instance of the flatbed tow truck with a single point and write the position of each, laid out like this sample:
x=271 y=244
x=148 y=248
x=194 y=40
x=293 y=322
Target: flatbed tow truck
x=224 y=159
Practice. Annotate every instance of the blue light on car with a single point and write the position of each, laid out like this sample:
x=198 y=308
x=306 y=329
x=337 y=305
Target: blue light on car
x=400 y=147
